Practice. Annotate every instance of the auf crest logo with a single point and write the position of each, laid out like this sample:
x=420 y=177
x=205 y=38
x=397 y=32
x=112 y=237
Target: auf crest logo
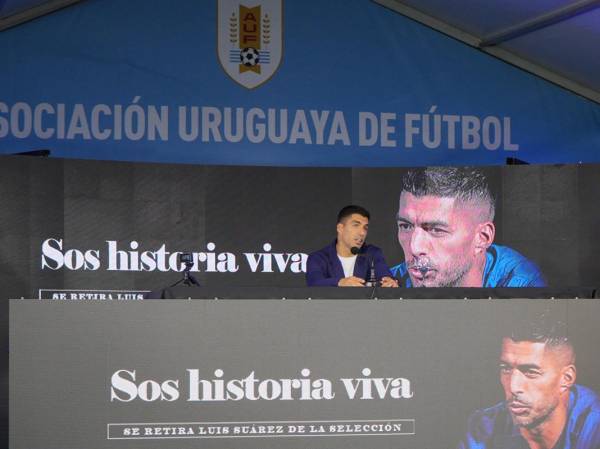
x=250 y=40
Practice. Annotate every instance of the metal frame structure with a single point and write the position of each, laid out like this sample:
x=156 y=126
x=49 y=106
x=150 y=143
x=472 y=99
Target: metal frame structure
x=490 y=43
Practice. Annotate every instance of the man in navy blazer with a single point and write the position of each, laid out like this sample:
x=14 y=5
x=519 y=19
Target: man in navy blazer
x=348 y=261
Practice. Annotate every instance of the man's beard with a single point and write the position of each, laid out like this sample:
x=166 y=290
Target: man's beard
x=443 y=279
x=531 y=422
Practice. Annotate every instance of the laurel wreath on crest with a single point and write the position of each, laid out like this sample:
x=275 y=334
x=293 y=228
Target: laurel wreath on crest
x=233 y=28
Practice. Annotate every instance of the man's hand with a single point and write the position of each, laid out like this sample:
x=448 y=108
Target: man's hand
x=351 y=281
x=387 y=281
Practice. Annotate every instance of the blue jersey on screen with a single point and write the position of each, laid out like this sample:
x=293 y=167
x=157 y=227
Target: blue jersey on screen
x=492 y=428
x=504 y=267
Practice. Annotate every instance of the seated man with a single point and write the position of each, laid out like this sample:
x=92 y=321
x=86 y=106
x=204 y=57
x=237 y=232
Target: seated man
x=446 y=230
x=348 y=261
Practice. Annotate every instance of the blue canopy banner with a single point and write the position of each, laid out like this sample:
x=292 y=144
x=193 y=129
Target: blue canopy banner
x=275 y=82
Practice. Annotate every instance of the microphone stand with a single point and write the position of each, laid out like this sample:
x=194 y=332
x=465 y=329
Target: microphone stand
x=188 y=278
x=371 y=280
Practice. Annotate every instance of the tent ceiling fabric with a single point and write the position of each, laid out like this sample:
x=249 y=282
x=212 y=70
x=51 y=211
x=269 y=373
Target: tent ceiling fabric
x=555 y=39
x=15 y=12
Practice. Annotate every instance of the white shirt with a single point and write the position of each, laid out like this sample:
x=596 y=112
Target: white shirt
x=348 y=265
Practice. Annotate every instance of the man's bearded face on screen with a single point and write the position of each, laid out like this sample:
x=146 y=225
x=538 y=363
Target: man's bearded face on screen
x=535 y=379
x=442 y=240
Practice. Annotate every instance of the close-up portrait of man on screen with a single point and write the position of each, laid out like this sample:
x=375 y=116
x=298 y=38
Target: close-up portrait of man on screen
x=543 y=406
x=446 y=230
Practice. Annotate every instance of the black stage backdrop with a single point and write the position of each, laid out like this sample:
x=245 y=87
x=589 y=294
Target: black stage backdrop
x=70 y=226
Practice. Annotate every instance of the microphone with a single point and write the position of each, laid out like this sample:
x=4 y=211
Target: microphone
x=371 y=281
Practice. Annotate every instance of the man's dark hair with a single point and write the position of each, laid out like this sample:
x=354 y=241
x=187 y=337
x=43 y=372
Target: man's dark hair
x=544 y=327
x=352 y=209
x=467 y=184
